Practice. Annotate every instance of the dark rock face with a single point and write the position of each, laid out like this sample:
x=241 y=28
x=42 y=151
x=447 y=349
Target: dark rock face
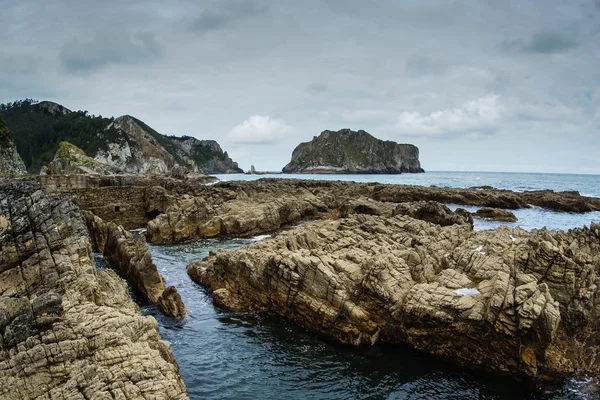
x=134 y=262
x=10 y=161
x=524 y=303
x=66 y=329
x=347 y=151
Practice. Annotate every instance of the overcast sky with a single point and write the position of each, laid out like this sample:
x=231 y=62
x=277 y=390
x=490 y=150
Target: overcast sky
x=483 y=86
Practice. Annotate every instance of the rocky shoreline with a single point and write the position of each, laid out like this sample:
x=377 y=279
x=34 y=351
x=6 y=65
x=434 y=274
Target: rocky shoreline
x=364 y=263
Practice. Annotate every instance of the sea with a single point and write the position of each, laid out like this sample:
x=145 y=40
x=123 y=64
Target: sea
x=227 y=355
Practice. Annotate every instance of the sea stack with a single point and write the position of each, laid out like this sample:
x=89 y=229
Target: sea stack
x=351 y=152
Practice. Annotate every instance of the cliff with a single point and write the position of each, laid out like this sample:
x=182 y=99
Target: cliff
x=350 y=152
x=68 y=330
x=10 y=161
x=124 y=144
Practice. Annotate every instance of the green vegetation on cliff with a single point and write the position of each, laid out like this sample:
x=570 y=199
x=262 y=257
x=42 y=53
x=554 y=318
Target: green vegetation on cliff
x=37 y=130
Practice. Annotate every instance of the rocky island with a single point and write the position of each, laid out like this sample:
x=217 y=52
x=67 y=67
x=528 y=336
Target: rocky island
x=351 y=152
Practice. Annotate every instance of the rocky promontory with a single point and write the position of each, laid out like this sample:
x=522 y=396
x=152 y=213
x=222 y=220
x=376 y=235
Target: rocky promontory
x=68 y=330
x=524 y=303
x=351 y=152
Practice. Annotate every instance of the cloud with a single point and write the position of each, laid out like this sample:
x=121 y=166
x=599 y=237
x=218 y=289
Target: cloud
x=473 y=117
x=90 y=56
x=225 y=14
x=542 y=43
x=259 y=129
x=421 y=65
x=317 y=88
x=364 y=115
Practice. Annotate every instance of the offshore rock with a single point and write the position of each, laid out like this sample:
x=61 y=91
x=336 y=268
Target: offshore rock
x=495 y=214
x=10 y=161
x=67 y=330
x=524 y=303
x=132 y=259
x=347 y=151
x=434 y=212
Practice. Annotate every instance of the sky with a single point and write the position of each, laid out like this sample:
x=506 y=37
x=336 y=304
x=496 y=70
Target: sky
x=476 y=85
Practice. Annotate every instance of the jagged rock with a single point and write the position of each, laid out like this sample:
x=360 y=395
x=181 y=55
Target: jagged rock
x=71 y=160
x=432 y=211
x=10 y=161
x=249 y=208
x=124 y=144
x=68 y=331
x=132 y=259
x=347 y=151
x=519 y=302
x=496 y=214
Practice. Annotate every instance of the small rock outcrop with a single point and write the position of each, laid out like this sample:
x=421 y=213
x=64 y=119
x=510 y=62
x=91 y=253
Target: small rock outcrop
x=434 y=212
x=10 y=161
x=132 y=259
x=524 y=303
x=351 y=152
x=495 y=214
x=67 y=330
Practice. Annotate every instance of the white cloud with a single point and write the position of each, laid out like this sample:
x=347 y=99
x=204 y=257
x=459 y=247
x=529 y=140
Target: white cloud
x=259 y=129
x=364 y=115
x=473 y=117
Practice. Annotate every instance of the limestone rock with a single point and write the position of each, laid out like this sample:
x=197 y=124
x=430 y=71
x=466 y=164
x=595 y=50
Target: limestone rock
x=432 y=211
x=347 y=151
x=10 y=161
x=132 y=259
x=70 y=159
x=68 y=331
x=526 y=307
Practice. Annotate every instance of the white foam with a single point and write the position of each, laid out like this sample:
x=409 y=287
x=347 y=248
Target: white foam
x=466 y=291
x=260 y=237
x=512 y=238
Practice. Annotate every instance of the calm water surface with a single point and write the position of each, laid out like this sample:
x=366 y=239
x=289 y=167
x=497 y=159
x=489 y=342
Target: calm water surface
x=224 y=355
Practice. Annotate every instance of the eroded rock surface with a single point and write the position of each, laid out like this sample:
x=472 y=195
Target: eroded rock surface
x=495 y=214
x=265 y=205
x=68 y=331
x=133 y=260
x=525 y=303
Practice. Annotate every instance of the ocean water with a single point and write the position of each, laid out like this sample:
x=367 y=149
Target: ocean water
x=226 y=355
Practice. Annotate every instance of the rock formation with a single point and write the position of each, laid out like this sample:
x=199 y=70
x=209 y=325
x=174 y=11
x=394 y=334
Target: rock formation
x=132 y=259
x=10 y=161
x=67 y=330
x=71 y=160
x=524 y=303
x=250 y=208
x=347 y=151
x=496 y=214
x=124 y=144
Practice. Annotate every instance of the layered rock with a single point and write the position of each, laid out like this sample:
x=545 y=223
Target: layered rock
x=525 y=303
x=10 y=161
x=71 y=160
x=248 y=208
x=132 y=259
x=434 y=212
x=68 y=330
x=347 y=151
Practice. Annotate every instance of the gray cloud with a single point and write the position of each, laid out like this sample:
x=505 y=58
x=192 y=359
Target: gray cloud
x=260 y=80
x=227 y=13
x=543 y=43
x=317 y=88
x=141 y=47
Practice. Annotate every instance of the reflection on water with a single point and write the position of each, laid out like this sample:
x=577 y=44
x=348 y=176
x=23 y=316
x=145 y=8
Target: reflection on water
x=223 y=355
